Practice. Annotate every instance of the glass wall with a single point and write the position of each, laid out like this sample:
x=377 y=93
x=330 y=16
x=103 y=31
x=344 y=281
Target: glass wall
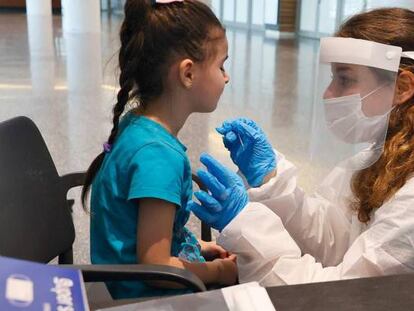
x=308 y=15
x=257 y=14
x=113 y=6
x=327 y=16
x=322 y=17
x=351 y=7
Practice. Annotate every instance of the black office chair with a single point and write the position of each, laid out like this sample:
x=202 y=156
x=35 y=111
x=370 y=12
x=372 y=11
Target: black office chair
x=35 y=215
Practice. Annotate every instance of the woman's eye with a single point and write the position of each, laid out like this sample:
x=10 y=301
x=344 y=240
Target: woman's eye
x=344 y=81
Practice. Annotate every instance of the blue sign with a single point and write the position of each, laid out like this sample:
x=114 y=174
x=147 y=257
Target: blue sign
x=26 y=286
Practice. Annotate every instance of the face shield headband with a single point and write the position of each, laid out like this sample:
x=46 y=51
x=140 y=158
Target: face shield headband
x=362 y=52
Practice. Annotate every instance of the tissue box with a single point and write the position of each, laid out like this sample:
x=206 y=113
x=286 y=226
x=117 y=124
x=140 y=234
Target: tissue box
x=26 y=285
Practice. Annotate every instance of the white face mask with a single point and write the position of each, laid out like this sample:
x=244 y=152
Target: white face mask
x=345 y=118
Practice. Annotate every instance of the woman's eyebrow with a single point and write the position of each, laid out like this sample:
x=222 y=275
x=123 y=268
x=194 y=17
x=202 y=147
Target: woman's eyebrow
x=342 y=69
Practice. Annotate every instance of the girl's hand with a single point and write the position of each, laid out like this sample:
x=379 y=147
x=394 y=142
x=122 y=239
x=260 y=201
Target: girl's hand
x=210 y=250
x=227 y=270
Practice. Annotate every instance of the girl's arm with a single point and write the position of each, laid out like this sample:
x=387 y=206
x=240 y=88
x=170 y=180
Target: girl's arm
x=154 y=235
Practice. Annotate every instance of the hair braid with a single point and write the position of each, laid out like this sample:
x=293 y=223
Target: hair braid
x=126 y=83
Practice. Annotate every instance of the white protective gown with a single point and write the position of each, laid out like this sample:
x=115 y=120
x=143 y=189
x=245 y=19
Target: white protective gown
x=285 y=236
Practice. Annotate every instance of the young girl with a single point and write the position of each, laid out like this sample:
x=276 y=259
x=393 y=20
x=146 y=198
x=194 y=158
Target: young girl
x=171 y=59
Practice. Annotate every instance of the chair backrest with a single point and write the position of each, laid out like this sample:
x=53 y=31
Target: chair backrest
x=35 y=222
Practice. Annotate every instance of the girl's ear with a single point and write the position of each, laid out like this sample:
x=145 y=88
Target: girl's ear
x=186 y=73
x=404 y=87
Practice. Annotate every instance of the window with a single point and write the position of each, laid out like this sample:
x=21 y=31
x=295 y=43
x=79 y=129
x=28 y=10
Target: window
x=247 y=13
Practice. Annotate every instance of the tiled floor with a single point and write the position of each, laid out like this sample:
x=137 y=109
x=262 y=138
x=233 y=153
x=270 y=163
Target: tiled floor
x=67 y=85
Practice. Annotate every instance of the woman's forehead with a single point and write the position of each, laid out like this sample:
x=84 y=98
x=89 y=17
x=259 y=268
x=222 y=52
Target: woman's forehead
x=350 y=68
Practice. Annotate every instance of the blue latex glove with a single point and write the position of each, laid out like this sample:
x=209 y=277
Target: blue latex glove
x=249 y=149
x=228 y=194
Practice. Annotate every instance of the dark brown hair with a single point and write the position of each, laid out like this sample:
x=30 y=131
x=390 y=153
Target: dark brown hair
x=151 y=36
x=376 y=184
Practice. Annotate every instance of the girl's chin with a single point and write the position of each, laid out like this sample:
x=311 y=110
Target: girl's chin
x=207 y=109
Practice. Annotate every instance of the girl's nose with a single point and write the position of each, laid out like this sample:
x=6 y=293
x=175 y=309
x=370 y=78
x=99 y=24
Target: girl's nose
x=227 y=78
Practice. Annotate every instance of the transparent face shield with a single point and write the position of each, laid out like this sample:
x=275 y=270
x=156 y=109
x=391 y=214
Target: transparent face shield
x=354 y=98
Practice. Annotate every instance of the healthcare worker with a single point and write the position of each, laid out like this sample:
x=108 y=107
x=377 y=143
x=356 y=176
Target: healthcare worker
x=360 y=220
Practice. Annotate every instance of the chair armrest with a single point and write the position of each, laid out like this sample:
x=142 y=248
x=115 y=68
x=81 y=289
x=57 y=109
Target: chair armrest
x=103 y=273
x=72 y=180
x=205 y=229
x=199 y=183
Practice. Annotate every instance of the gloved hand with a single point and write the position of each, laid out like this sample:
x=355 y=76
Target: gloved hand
x=228 y=194
x=249 y=149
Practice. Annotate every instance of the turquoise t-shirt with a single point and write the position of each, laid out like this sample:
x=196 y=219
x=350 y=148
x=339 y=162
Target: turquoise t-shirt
x=146 y=161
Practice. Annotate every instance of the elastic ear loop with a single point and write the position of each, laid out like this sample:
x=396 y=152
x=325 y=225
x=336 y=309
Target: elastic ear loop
x=408 y=55
x=373 y=91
